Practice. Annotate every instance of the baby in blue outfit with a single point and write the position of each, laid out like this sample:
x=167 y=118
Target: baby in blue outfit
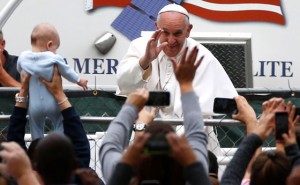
x=40 y=63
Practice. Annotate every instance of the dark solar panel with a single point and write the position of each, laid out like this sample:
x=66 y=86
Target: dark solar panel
x=131 y=22
x=150 y=7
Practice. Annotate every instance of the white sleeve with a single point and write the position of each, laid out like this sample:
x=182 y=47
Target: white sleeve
x=130 y=73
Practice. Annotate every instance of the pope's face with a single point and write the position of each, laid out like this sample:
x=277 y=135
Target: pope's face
x=176 y=29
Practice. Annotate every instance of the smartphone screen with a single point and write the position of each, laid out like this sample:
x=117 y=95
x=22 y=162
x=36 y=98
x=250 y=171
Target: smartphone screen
x=159 y=98
x=282 y=124
x=225 y=106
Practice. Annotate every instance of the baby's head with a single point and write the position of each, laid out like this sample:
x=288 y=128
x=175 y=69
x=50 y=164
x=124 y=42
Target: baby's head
x=44 y=37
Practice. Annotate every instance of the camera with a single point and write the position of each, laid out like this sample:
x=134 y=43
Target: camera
x=158 y=98
x=157 y=145
x=282 y=124
x=225 y=106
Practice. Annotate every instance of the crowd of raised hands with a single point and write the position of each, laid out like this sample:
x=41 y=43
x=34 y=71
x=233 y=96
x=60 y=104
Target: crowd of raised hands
x=252 y=165
x=247 y=165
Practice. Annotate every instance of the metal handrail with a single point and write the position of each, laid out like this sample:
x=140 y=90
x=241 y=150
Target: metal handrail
x=107 y=120
x=252 y=93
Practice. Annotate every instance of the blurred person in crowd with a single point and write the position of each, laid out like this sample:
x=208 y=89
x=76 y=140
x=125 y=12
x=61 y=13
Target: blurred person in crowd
x=54 y=159
x=17 y=165
x=292 y=151
x=294 y=177
x=54 y=163
x=270 y=167
x=213 y=168
x=9 y=76
x=172 y=167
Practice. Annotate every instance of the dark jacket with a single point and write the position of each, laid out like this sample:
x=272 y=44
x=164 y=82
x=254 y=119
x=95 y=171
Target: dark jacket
x=72 y=128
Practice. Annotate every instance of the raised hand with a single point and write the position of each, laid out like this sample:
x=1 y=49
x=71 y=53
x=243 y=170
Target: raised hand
x=186 y=68
x=291 y=109
x=146 y=116
x=56 y=89
x=17 y=163
x=134 y=153
x=24 y=90
x=152 y=50
x=179 y=144
x=290 y=137
x=5 y=79
x=267 y=121
x=245 y=113
x=83 y=83
x=138 y=98
x=55 y=85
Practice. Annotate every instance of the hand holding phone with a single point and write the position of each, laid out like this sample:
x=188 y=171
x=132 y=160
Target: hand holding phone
x=158 y=98
x=281 y=124
x=297 y=112
x=225 y=106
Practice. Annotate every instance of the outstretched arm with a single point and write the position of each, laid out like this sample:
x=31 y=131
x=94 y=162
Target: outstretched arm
x=193 y=121
x=17 y=121
x=6 y=80
x=117 y=135
x=152 y=49
x=135 y=69
x=247 y=115
x=17 y=164
x=236 y=169
x=73 y=127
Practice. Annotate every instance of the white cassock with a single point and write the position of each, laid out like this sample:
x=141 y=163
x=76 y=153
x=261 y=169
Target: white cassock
x=210 y=81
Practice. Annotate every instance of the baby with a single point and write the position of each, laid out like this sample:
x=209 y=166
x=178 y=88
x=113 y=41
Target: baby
x=40 y=63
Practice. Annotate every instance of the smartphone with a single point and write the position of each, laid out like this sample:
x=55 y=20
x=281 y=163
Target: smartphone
x=225 y=106
x=159 y=98
x=282 y=124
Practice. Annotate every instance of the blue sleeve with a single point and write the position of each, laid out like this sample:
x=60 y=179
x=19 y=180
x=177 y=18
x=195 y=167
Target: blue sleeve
x=65 y=70
x=195 y=174
x=116 y=139
x=194 y=127
x=41 y=64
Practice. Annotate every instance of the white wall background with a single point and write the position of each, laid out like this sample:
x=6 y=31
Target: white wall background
x=79 y=29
